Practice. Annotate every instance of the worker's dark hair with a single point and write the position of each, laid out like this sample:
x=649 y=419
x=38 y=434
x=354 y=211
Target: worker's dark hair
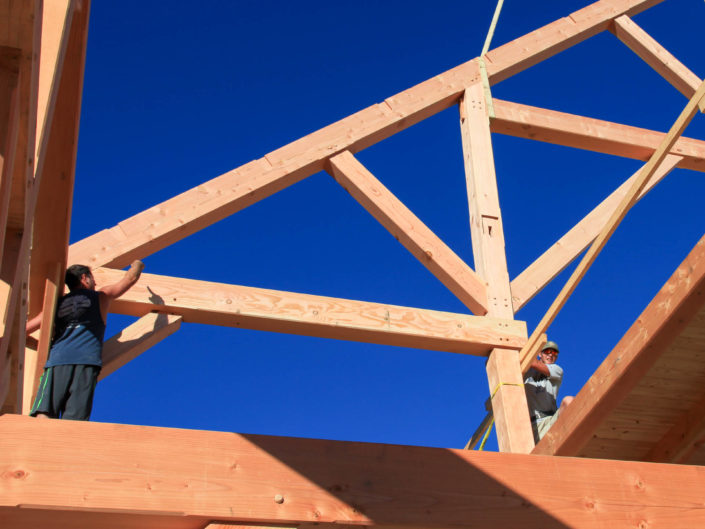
x=73 y=275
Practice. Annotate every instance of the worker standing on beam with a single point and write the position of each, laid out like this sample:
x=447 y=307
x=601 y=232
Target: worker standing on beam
x=543 y=380
x=71 y=372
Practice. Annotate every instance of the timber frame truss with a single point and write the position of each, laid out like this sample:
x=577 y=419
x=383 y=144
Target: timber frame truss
x=153 y=477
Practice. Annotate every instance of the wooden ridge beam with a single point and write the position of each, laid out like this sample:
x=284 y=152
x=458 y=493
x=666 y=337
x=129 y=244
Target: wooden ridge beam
x=560 y=128
x=408 y=229
x=662 y=320
x=655 y=55
x=197 y=208
x=135 y=339
x=194 y=478
x=554 y=260
x=288 y=312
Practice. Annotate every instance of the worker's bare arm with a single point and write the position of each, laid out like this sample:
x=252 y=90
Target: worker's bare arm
x=33 y=324
x=539 y=366
x=128 y=280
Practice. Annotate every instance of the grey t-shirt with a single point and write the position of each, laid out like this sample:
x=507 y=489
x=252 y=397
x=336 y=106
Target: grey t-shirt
x=542 y=391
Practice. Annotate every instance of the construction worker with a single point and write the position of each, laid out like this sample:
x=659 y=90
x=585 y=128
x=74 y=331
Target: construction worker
x=541 y=385
x=71 y=371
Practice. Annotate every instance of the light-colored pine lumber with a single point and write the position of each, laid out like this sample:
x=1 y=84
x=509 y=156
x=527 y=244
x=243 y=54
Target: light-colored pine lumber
x=56 y=18
x=506 y=388
x=198 y=476
x=655 y=55
x=663 y=319
x=554 y=260
x=34 y=361
x=509 y=407
x=135 y=339
x=410 y=231
x=193 y=210
x=627 y=202
x=558 y=36
x=288 y=312
x=485 y=216
x=590 y=134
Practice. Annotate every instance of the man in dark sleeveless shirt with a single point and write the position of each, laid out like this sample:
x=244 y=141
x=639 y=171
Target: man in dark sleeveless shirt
x=71 y=372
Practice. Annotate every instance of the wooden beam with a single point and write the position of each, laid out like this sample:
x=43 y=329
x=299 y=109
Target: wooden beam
x=620 y=212
x=416 y=237
x=9 y=130
x=288 y=312
x=558 y=36
x=509 y=404
x=677 y=445
x=193 y=210
x=135 y=339
x=193 y=477
x=662 y=320
x=34 y=362
x=554 y=260
x=655 y=55
x=549 y=126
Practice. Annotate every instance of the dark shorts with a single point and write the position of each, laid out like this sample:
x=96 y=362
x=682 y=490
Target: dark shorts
x=66 y=392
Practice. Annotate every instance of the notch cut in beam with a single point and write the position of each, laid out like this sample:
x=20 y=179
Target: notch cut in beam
x=554 y=260
x=656 y=56
x=195 y=209
x=195 y=477
x=271 y=310
x=413 y=234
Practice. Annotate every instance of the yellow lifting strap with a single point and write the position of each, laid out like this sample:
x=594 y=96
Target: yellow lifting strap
x=483 y=68
x=489 y=427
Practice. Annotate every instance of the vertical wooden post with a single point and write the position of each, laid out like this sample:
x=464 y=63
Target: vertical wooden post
x=503 y=370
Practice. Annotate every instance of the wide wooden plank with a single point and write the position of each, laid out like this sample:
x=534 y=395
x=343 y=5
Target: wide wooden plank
x=664 y=318
x=135 y=339
x=590 y=134
x=197 y=208
x=554 y=260
x=655 y=55
x=204 y=476
x=288 y=312
x=410 y=231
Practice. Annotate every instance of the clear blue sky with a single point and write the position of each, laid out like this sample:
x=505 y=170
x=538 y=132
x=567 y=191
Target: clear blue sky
x=177 y=93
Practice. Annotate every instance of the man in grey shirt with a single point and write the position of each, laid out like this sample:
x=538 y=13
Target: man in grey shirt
x=541 y=385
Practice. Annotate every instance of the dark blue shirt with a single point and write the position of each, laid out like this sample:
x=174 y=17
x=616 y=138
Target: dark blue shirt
x=78 y=330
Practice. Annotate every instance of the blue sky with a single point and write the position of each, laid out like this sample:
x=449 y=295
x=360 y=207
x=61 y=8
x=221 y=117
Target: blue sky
x=174 y=96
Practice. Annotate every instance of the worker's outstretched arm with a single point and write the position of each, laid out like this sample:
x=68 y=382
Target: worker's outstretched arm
x=128 y=280
x=110 y=292
x=539 y=366
x=33 y=324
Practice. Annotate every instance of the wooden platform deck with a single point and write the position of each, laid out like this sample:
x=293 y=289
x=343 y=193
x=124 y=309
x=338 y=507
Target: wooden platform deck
x=646 y=402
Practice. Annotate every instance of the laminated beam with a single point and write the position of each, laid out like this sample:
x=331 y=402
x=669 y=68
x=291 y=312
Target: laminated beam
x=408 y=229
x=663 y=319
x=172 y=220
x=135 y=339
x=270 y=310
x=656 y=56
x=591 y=134
x=136 y=474
x=554 y=260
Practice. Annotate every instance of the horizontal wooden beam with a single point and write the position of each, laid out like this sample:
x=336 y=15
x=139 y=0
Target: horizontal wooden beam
x=549 y=126
x=197 y=208
x=135 y=339
x=655 y=55
x=288 y=312
x=662 y=320
x=408 y=229
x=554 y=260
x=134 y=474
